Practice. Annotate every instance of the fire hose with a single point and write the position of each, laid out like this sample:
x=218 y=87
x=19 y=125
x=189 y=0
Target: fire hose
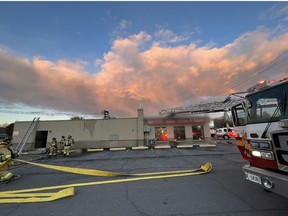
x=29 y=195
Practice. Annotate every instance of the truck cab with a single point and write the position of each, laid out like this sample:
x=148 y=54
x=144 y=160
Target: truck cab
x=262 y=119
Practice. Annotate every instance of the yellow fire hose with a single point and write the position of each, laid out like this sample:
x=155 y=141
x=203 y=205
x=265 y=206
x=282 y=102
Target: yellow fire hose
x=26 y=195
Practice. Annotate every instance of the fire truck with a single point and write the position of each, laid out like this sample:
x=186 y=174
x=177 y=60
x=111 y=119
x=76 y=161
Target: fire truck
x=261 y=119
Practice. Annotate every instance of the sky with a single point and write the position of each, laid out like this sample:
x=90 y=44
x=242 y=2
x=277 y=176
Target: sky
x=63 y=59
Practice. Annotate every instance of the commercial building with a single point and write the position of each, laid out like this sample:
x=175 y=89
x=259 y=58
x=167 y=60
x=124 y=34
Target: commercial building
x=115 y=132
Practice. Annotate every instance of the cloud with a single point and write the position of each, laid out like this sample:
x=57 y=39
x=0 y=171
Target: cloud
x=277 y=11
x=137 y=72
x=164 y=36
x=121 y=29
x=4 y=49
x=124 y=24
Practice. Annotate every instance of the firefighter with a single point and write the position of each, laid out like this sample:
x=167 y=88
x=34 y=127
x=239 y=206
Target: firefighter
x=61 y=144
x=53 y=147
x=6 y=155
x=68 y=146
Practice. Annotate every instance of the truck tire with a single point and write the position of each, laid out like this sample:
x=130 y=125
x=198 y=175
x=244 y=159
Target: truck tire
x=225 y=137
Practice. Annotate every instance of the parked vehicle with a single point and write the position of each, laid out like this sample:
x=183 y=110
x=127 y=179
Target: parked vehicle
x=225 y=133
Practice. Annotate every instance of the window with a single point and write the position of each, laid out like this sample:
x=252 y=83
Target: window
x=160 y=133
x=265 y=104
x=179 y=133
x=239 y=115
x=198 y=132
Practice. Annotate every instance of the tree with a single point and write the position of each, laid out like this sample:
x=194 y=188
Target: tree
x=221 y=122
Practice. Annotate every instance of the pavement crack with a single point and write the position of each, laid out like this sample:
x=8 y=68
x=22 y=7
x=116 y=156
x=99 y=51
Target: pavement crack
x=139 y=212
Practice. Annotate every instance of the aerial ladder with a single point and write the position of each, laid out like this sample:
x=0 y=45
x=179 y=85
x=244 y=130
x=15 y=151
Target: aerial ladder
x=26 y=136
x=212 y=104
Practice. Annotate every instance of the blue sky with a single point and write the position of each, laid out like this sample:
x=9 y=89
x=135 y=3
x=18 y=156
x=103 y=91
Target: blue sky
x=83 y=57
x=76 y=30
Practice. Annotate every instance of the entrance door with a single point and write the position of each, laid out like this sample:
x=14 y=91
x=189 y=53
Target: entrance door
x=41 y=139
x=179 y=133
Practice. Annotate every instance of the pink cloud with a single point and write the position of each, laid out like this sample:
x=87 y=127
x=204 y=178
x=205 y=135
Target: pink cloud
x=130 y=76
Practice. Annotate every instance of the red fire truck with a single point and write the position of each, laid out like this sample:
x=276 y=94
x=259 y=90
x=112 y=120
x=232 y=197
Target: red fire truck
x=261 y=119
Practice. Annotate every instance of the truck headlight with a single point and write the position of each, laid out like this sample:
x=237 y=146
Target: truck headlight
x=267 y=155
x=256 y=153
x=263 y=154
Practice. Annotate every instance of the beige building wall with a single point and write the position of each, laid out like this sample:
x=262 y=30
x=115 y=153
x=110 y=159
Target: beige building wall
x=96 y=133
x=108 y=133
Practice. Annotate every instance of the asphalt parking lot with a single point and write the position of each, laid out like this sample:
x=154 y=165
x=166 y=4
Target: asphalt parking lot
x=223 y=191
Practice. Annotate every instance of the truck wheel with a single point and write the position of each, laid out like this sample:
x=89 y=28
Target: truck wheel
x=225 y=137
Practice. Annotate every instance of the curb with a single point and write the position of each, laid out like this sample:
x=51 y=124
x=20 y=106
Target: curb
x=135 y=148
x=117 y=149
x=95 y=150
x=140 y=148
x=162 y=147
x=146 y=147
